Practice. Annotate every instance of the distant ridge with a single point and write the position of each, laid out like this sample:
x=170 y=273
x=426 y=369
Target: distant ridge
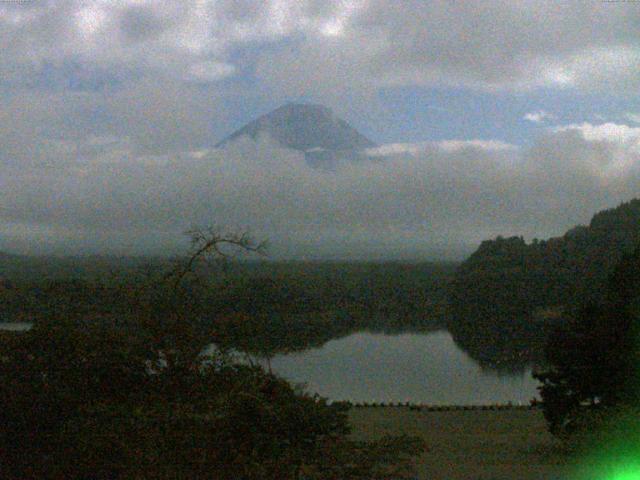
x=511 y=275
x=309 y=128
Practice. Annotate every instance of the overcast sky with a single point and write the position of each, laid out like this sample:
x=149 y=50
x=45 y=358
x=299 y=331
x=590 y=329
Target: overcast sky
x=492 y=117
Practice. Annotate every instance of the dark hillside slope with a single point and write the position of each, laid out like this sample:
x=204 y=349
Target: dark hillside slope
x=510 y=290
x=513 y=277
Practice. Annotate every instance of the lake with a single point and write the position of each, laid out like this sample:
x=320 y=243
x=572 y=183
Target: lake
x=427 y=368
x=423 y=368
x=15 y=326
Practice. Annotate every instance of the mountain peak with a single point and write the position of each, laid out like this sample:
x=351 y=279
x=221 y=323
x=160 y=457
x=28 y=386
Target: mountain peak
x=304 y=107
x=304 y=127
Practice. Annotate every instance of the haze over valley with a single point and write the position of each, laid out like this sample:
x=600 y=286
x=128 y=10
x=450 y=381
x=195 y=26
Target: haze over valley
x=316 y=189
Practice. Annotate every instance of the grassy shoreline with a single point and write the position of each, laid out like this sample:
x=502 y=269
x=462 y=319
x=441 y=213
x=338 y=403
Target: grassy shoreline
x=471 y=444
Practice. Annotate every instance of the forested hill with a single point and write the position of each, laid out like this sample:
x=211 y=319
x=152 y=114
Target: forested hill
x=508 y=295
x=512 y=277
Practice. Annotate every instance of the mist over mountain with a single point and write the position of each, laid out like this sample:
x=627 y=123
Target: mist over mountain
x=311 y=129
x=314 y=188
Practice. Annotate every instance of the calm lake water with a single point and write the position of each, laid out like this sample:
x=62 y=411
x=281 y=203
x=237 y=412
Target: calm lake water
x=15 y=326
x=420 y=368
x=423 y=368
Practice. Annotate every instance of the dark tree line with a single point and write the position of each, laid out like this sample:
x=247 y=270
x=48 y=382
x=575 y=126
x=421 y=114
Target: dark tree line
x=594 y=358
x=508 y=278
x=509 y=295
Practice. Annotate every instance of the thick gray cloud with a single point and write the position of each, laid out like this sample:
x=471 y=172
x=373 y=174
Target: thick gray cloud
x=110 y=108
x=157 y=116
x=480 y=44
x=407 y=200
x=344 y=44
x=170 y=38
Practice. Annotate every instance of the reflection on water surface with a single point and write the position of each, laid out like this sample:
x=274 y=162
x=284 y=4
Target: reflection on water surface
x=420 y=368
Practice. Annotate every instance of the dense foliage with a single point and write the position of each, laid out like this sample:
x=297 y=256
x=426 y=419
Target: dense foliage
x=119 y=386
x=594 y=358
x=264 y=308
x=516 y=278
x=82 y=401
x=516 y=292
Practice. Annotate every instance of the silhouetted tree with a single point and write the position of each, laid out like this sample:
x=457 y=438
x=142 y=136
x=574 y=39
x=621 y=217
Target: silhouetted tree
x=593 y=359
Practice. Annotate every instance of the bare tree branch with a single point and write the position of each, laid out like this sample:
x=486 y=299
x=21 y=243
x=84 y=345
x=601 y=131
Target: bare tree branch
x=208 y=244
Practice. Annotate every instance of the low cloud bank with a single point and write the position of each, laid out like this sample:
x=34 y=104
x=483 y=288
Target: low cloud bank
x=404 y=201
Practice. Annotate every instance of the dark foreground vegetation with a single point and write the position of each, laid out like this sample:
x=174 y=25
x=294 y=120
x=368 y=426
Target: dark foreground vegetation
x=112 y=383
x=81 y=401
x=594 y=358
x=590 y=388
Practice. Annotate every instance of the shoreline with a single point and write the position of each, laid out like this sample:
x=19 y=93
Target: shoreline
x=420 y=407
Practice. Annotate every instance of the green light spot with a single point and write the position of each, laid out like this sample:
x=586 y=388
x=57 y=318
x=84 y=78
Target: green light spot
x=627 y=473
